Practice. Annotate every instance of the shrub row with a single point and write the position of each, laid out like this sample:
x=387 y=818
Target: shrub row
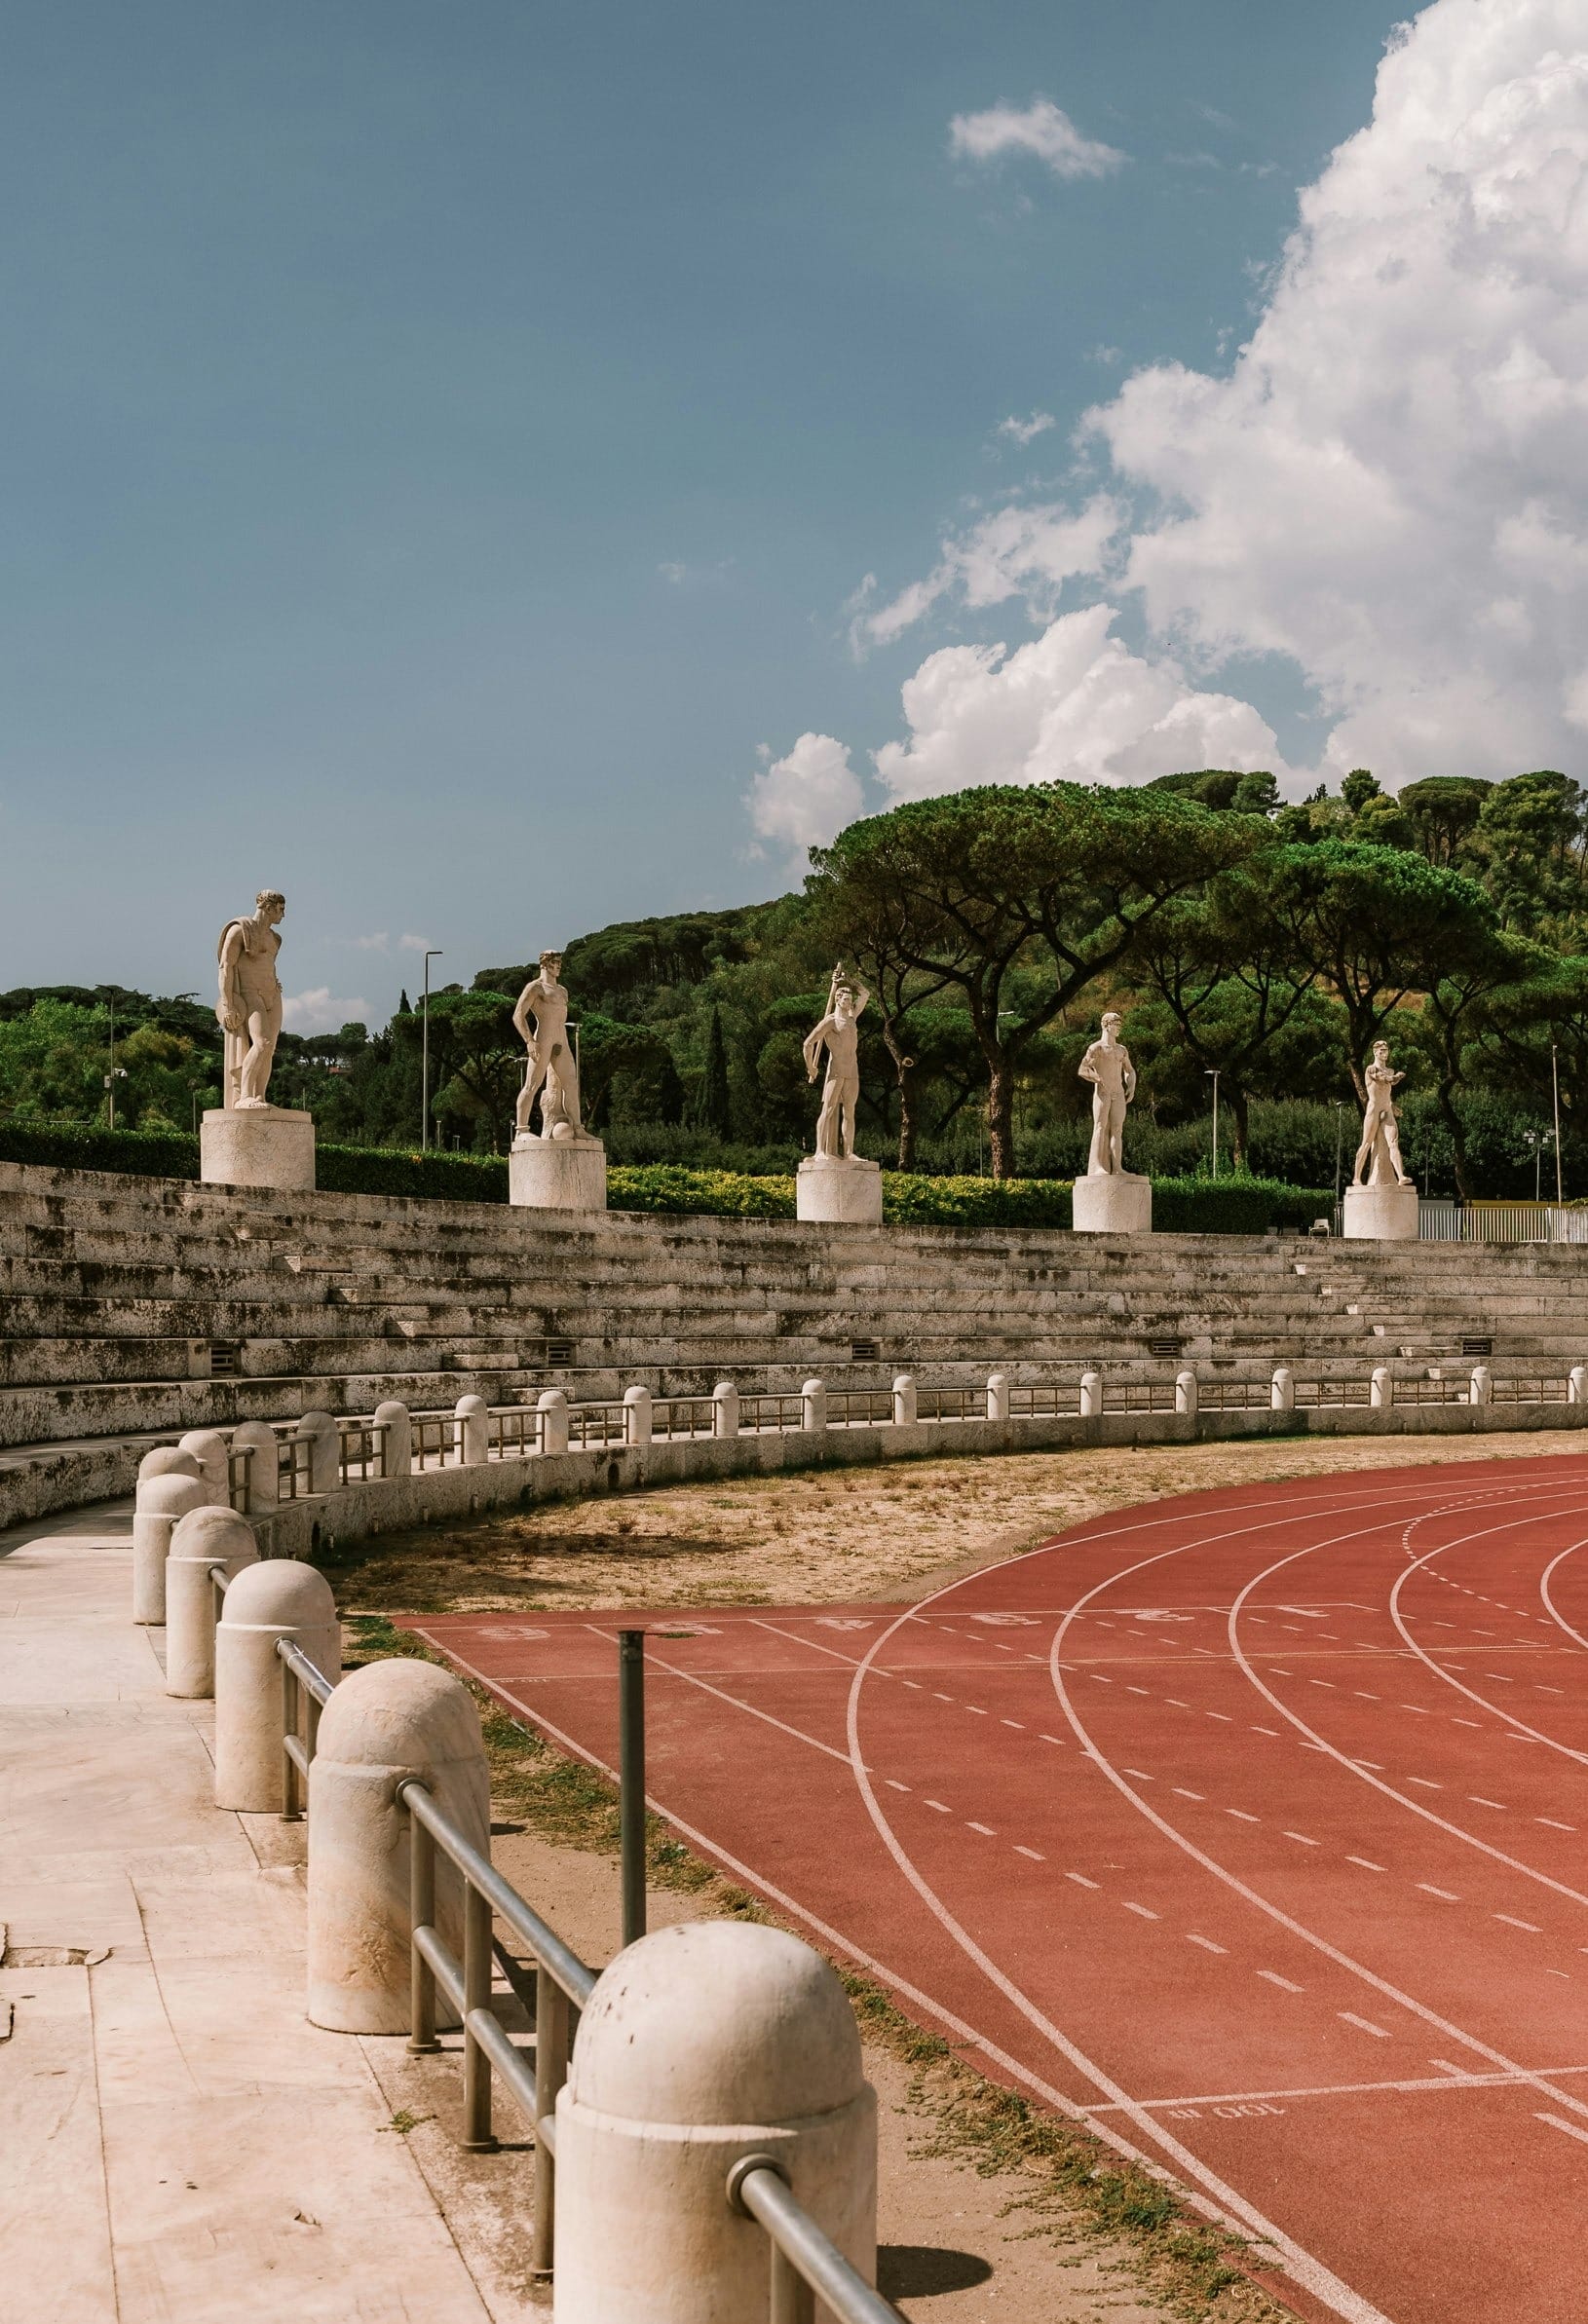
x=1180 y=1206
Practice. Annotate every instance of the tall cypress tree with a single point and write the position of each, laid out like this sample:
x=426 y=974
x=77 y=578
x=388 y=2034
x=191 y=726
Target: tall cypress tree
x=716 y=1098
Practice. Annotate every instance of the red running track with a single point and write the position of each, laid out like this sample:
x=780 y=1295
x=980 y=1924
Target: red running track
x=1248 y=1825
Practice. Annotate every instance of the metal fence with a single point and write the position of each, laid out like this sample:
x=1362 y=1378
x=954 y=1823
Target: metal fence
x=1441 y=1221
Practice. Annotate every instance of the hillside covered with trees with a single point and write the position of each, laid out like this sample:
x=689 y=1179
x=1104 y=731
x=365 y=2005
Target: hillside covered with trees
x=1266 y=944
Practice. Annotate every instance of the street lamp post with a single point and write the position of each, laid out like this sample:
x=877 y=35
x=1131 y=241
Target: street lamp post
x=1211 y=1073
x=115 y=1074
x=434 y=954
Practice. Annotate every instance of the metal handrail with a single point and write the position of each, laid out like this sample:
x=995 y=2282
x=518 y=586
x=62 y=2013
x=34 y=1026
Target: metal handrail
x=240 y=1479
x=305 y=1692
x=806 y=2262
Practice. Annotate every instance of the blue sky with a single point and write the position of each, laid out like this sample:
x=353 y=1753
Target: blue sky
x=438 y=445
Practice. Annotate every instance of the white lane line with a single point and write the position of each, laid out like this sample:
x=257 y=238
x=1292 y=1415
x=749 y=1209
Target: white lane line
x=1365 y=2024
x=985 y=1829
x=1140 y=1777
x=1206 y=1942
x=938 y=1805
x=1062 y=1741
x=1274 y=1731
x=1142 y=1909
x=1020 y=1723
x=1571 y=2130
x=1303 y=1838
x=1035 y=1855
x=1479 y=1802
x=1422 y=1782
x=894 y=1784
x=1241 y=1814
x=1552 y=1826
x=1181 y=1792
x=1446 y=1895
x=1274 y=1978
x=1367 y=1864
x=1080 y=1880
x=1511 y=1921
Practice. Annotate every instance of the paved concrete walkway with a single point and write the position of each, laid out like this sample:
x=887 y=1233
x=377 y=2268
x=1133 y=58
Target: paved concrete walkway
x=175 y=2139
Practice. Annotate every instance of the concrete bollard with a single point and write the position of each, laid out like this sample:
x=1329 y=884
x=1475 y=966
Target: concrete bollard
x=208 y=1448
x=725 y=1409
x=393 y=1417
x=702 y=2045
x=263 y=1471
x=204 y=1538
x=319 y=1432
x=473 y=1417
x=1482 y=1386
x=813 y=1404
x=1282 y=1393
x=160 y=1503
x=386 y=1722
x=1576 y=1385
x=904 y=1402
x=271 y=1599
x=168 y=1460
x=1382 y=1388
x=1186 y=1393
x=998 y=1397
x=553 y=1407
x=638 y=1417
x=1091 y=1395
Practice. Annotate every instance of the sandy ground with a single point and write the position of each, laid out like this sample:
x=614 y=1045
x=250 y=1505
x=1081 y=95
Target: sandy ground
x=886 y=1532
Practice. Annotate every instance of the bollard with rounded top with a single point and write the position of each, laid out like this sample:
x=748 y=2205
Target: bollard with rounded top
x=271 y=1599
x=725 y=1409
x=319 y=1432
x=473 y=1417
x=264 y=1471
x=160 y=1503
x=1482 y=1386
x=397 y=1442
x=204 y=1538
x=1186 y=1393
x=386 y=1723
x=1576 y=1385
x=998 y=1397
x=210 y=1449
x=169 y=1460
x=1381 y=1387
x=904 y=1402
x=637 y=1415
x=700 y=2046
x=1091 y=1395
x=1282 y=1393
x=553 y=1407
x=813 y=1404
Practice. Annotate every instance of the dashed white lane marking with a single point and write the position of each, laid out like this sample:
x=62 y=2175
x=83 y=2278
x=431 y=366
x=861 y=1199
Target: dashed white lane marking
x=1303 y=1838
x=1424 y=1782
x=1446 y=1895
x=1061 y=1741
x=1511 y=1921
x=1222 y=1715
x=1274 y=1731
x=1559 y=2122
x=894 y=1784
x=1367 y=1864
x=1181 y=1792
x=1140 y=1774
x=985 y=1829
x=1144 y=1912
x=976 y=1710
x=1364 y=2024
x=1035 y=1854
x=1241 y=1814
x=938 y=1805
x=1206 y=1942
x=1274 y=1978
x=1080 y=1880
x=1478 y=1802
x=1013 y=1723
x=1552 y=1826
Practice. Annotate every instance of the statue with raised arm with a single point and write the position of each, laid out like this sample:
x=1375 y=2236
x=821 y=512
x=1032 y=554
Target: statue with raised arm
x=1108 y=1068
x=839 y=1033
x=552 y=1069
x=1379 y=1156
x=249 y=1004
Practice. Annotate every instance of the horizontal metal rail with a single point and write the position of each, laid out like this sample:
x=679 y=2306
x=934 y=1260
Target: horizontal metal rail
x=305 y=1691
x=806 y=2264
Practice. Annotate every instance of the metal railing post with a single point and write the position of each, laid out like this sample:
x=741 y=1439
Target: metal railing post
x=291 y=1794
x=476 y=1995
x=421 y=1914
x=550 y=2073
x=632 y=1779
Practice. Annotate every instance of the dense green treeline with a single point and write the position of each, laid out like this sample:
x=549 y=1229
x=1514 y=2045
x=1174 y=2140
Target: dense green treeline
x=1262 y=944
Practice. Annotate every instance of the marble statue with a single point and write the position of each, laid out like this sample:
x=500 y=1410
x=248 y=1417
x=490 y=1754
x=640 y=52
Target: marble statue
x=250 y=1006
x=1108 y=1068
x=1379 y=1156
x=552 y=1069
x=841 y=1093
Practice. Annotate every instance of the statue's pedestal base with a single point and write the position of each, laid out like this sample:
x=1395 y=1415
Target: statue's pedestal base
x=1114 y=1203
x=557 y=1174
x=1381 y=1215
x=838 y=1192
x=259 y=1146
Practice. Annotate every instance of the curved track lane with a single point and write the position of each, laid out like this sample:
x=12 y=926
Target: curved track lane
x=1253 y=1826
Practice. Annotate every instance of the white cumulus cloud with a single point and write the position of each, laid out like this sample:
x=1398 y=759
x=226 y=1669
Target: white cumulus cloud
x=1073 y=704
x=1041 y=129
x=1029 y=550
x=319 y=1011
x=1025 y=432
x=800 y=800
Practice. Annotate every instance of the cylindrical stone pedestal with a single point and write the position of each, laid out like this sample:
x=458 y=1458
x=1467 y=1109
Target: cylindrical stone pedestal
x=207 y=1446
x=1114 y=1202
x=257 y=1146
x=204 y=1538
x=702 y=2045
x=388 y=1720
x=839 y=1192
x=160 y=1502
x=557 y=1174
x=1381 y=1215
x=272 y=1599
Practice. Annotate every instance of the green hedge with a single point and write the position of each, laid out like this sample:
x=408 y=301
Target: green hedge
x=1180 y=1206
